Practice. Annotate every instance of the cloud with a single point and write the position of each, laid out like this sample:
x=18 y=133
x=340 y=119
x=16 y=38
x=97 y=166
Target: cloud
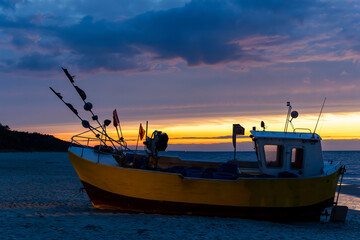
x=217 y=137
x=10 y=4
x=235 y=34
x=199 y=33
x=244 y=146
x=37 y=62
x=201 y=138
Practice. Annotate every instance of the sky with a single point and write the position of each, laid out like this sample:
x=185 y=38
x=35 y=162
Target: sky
x=192 y=68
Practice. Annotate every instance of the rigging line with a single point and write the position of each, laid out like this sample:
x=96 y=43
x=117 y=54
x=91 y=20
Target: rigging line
x=74 y=111
x=322 y=107
x=94 y=116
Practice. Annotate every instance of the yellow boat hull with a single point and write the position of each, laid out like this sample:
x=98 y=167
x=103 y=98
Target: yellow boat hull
x=138 y=190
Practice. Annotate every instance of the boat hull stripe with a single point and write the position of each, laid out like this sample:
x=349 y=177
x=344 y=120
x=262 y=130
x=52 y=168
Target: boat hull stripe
x=106 y=200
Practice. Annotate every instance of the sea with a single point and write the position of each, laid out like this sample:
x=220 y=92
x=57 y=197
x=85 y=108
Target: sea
x=41 y=197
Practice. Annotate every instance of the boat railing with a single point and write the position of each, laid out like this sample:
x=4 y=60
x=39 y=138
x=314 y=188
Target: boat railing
x=302 y=129
x=333 y=167
x=78 y=141
x=93 y=143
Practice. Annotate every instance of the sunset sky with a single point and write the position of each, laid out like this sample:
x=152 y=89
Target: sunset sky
x=191 y=68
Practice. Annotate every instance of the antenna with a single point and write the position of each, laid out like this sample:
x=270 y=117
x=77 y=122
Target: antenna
x=319 y=117
x=263 y=125
x=294 y=114
x=288 y=116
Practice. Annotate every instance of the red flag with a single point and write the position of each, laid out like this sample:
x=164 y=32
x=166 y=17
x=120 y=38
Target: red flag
x=141 y=132
x=116 y=121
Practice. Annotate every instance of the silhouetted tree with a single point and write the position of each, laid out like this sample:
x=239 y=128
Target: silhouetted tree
x=15 y=141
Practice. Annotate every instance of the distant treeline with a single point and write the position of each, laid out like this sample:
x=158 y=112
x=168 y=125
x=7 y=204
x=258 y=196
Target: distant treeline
x=14 y=141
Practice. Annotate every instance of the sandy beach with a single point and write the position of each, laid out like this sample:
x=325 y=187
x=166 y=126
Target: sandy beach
x=40 y=199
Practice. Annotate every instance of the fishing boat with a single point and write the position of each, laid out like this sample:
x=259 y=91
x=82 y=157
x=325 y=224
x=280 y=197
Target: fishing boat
x=289 y=181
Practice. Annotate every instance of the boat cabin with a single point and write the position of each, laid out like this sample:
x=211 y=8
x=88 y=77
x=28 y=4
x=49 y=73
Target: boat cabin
x=288 y=153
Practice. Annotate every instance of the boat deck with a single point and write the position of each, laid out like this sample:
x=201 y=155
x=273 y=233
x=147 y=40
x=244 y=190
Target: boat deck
x=164 y=162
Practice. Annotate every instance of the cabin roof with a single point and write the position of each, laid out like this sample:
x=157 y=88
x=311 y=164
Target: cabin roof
x=285 y=135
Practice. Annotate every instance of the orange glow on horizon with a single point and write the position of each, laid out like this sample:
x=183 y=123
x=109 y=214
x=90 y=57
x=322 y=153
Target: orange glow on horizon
x=210 y=131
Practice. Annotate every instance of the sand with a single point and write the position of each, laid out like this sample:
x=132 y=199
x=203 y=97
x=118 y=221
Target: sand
x=40 y=199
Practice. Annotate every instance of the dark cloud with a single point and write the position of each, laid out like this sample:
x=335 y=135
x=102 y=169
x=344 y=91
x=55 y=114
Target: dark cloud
x=101 y=37
x=122 y=9
x=218 y=137
x=10 y=4
x=37 y=62
x=20 y=40
x=200 y=32
x=197 y=138
x=109 y=61
x=22 y=23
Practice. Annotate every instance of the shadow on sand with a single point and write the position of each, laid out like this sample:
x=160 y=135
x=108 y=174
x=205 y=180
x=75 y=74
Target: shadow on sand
x=350 y=189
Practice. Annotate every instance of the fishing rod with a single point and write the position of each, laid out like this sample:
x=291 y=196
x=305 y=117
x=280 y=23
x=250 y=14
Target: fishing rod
x=84 y=123
x=88 y=107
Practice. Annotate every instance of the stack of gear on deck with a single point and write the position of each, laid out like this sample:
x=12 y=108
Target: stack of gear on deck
x=157 y=142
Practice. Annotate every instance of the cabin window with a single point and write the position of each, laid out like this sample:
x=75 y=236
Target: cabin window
x=297 y=155
x=273 y=155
